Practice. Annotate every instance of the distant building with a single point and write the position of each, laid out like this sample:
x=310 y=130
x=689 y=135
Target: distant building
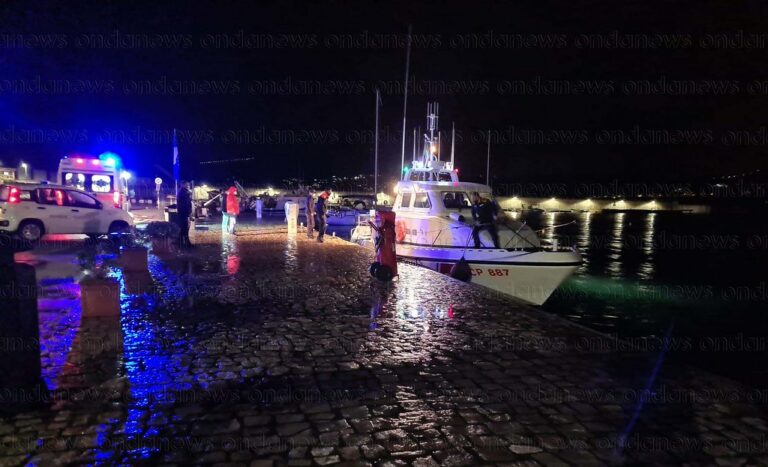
x=7 y=173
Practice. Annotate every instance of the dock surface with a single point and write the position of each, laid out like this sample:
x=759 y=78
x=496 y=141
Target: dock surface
x=272 y=349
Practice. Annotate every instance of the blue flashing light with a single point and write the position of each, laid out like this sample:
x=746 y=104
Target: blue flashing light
x=110 y=159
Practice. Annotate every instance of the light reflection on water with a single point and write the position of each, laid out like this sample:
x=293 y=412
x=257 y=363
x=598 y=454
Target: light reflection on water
x=154 y=376
x=616 y=246
x=642 y=268
x=646 y=268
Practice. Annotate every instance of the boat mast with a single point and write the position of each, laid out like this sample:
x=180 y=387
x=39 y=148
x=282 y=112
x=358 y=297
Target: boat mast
x=433 y=145
x=405 y=98
x=376 y=148
x=414 y=144
x=453 y=142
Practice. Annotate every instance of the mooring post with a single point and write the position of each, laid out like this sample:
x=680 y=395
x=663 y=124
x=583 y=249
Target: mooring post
x=21 y=383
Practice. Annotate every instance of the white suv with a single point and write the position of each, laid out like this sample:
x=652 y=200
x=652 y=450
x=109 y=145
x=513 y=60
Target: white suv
x=32 y=210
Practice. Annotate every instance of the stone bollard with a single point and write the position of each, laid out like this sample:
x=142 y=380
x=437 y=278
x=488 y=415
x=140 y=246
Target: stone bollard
x=259 y=207
x=292 y=216
x=21 y=383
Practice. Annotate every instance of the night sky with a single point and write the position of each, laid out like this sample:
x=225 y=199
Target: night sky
x=570 y=90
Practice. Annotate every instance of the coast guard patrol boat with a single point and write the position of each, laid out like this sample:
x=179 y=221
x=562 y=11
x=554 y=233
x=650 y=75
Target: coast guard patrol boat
x=434 y=229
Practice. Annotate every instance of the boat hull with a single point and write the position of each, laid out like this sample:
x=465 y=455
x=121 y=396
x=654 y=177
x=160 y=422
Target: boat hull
x=529 y=276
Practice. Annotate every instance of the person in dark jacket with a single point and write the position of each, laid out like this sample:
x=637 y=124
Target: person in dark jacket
x=484 y=213
x=184 y=209
x=321 y=212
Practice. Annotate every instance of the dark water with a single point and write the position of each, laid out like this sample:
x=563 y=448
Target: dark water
x=703 y=275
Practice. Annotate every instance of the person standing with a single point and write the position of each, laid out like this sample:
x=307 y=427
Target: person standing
x=184 y=214
x=484 y=213
x=233 y=209
x=310 y=213
x=321 y=211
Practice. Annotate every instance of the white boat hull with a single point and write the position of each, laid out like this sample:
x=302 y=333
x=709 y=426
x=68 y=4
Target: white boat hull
x=529 y=276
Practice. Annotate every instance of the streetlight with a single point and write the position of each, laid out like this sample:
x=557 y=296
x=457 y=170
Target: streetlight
x=158 y=184
x=26 y=169
x=125 y=175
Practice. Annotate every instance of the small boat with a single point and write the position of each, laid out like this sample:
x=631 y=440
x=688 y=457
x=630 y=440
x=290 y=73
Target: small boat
x=362 y=233
x=343 y=215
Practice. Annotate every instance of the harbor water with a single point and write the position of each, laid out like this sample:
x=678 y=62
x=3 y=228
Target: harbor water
x=697 y=276
x=645 y=273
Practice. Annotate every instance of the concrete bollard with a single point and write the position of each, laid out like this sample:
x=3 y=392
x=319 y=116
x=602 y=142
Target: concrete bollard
x=21 y=384
x=259 y=207
x=292 y=215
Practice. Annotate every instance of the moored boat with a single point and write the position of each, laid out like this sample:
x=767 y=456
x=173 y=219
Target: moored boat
x=434 y=228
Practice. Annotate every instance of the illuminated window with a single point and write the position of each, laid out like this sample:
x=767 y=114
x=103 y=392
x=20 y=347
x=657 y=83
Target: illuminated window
x=74 y=180
x=101 y=183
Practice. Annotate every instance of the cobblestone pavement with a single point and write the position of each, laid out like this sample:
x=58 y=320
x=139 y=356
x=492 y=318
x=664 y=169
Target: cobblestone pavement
x=266 y=349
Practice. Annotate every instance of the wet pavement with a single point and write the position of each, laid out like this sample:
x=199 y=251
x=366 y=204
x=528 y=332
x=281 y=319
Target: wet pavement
x=271 y=349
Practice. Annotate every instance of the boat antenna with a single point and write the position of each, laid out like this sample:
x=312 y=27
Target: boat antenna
x=488 y=162
x=405 y=97
x=439 y=143
x=453 y=142
x=432 y=125
x=415 y=137
x=376 y=147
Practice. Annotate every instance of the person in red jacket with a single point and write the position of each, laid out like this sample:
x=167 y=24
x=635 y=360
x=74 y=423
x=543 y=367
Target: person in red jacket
x=233 y=209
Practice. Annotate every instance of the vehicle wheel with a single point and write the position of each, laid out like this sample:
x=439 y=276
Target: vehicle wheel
x=384 y=273
x=31 y=231
x=374 y=268
x=119 y=227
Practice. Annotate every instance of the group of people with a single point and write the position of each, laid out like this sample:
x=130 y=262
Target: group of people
x=317 y=214
x=484 y=212
x=185 y=212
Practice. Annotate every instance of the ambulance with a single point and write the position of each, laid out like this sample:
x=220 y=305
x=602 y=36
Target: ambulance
x=99 y=176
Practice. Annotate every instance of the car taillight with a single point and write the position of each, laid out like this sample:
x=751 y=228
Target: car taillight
x=13 y=196
x=116 y=199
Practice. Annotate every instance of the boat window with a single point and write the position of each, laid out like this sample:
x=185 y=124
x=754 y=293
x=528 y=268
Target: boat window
x=455 y=200
x=406 y=201
x=421 y=201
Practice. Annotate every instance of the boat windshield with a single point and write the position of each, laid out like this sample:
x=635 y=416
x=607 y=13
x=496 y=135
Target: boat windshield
x=455 y=199
x=461 y=199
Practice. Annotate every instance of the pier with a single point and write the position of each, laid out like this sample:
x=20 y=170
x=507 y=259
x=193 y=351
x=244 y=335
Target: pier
x=267 y=348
